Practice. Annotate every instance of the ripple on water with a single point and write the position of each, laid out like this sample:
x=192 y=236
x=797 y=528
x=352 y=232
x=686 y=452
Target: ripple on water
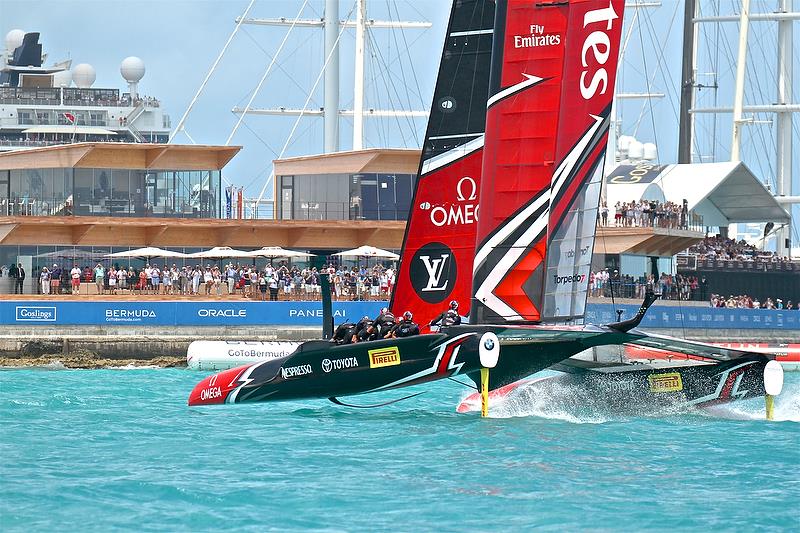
x=123 y=448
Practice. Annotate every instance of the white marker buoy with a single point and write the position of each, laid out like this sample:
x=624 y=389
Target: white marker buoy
x=773 y=385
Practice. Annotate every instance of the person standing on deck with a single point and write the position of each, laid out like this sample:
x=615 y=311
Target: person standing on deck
x=44 y=278
x=99 y=277
x=55 y=279
x=19 y=286
x=75 y=276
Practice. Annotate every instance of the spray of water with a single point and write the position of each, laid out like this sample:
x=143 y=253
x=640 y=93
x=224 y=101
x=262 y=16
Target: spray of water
x=553 y=399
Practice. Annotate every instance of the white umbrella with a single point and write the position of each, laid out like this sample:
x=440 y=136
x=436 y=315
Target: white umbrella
x=148 y=252
x=277 y=251
x=71 y=254
x=221 y=252
x=369 y=251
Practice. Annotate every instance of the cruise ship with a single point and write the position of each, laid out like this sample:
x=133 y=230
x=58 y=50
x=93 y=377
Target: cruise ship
x=57 y=104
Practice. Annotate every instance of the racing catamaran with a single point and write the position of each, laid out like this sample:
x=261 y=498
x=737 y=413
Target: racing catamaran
x=519 y=121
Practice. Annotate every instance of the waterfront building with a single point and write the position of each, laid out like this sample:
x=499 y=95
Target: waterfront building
x=372 y=184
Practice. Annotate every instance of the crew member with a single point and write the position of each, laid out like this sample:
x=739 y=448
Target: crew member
x=362 y=331
x=405 y=328
x=344 y=333
x=449 y=317
x=383 y=323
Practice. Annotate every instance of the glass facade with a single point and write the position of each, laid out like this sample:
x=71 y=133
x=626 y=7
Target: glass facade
x=110 y=192
x=345 y=196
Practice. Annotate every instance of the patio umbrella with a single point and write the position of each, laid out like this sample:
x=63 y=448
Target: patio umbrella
x=221 y=252
x=147 y=252
x=71 y=254
x=369 y=251
x=277 y=251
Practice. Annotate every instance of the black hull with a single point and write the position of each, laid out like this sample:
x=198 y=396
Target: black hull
x=642 y=388
x=321 y=369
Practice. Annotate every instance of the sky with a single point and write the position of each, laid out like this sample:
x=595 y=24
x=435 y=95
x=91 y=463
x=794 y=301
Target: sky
x=180 y=39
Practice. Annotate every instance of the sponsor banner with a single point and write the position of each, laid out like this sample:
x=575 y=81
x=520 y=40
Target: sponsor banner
x=384 y=357
x=669 y=382
x=180 y=313
x=675 y=317
x=185 y=313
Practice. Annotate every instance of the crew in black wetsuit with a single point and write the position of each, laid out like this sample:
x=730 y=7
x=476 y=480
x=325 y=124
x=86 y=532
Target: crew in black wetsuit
x=405 y=328
x=362 y=332
x=383 y=323
x=447 y=318
x=344 y=333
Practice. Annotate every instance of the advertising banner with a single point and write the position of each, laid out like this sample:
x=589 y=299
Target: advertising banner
x=182 y=313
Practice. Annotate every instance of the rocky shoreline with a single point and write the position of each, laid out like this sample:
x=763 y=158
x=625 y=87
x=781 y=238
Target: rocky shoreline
x=88 y=361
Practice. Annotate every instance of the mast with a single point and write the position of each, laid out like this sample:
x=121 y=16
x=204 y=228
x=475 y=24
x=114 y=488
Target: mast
x=331 y=116
x=738 y=95
x=784 y=123
x=358 y=86
x=687 y=84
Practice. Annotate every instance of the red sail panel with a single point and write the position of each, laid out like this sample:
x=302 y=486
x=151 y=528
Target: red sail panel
x=552 y=77
x=436 y=261
x=587 y=91
x=519 y=160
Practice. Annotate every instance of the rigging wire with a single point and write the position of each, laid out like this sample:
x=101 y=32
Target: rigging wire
x=266 y=73
x=649 y=100
x=664 y=70
x=411 y=61
x=305 y=106
x=389 y=84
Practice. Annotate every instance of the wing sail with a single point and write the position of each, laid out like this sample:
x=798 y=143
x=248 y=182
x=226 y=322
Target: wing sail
x=551 y=84
x=438 y=246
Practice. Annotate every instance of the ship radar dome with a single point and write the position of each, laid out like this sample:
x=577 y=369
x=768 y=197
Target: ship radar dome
x=132 y=69
x=650 y=152
x=84 y=75
x=635 y=150
x=14 y=39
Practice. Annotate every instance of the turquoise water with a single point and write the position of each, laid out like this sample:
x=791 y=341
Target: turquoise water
x=103 y=450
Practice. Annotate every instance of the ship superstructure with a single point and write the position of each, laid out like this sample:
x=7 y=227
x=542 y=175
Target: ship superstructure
x=57 y=104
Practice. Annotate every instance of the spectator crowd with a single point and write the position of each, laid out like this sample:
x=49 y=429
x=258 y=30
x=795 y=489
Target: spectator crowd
x=748 y=302
x=722 y=249
x=270 y=282
x=649 y=213
x=603 y=283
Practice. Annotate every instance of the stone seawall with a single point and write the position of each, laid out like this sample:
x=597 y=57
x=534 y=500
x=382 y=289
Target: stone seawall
x=138 y=343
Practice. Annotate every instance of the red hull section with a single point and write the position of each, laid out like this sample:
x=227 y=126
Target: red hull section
x=214 y=389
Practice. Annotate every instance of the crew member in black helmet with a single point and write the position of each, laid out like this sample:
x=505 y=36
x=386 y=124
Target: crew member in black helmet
x=404 y=328
x=344 y=333
x=449 y=317
x=384 y=322
x=362 y=331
